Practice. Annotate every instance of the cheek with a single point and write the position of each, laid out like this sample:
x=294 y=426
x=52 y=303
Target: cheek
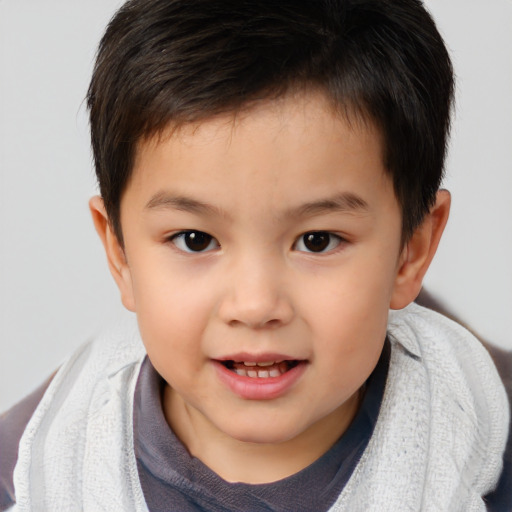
x=172 y=314
x=351 y=339
x=354 y=297
x=348 y=314
x=163 y=291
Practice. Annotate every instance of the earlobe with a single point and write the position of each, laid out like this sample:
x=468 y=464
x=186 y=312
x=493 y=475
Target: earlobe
x=116 y=258
x=419 y=251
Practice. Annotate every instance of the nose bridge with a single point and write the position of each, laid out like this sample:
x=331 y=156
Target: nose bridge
x=256 y=294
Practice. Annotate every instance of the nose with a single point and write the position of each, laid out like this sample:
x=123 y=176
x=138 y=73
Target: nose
x=256 y=296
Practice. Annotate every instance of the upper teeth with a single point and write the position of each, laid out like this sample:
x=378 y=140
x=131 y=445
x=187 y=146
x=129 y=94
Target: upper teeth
x=265 y=363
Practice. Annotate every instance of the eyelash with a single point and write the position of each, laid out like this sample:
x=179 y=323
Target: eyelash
x=208 y=243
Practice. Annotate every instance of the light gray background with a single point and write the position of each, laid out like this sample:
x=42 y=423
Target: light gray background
x=55 y=290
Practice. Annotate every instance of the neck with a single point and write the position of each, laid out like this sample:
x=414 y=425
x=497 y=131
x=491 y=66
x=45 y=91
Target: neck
x=237 y=460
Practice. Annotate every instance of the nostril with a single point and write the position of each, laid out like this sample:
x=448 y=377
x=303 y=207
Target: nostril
x=267 y=324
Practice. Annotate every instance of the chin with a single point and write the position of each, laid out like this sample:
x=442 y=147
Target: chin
x=256 y=432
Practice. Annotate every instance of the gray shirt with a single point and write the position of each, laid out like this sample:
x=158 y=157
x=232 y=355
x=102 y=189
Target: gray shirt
x=173 y=480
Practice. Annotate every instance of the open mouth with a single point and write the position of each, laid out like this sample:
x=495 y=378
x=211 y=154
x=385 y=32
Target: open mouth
x=270 y=377
x=260 y=370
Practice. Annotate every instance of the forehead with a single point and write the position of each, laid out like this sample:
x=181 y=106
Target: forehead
x=277 y=152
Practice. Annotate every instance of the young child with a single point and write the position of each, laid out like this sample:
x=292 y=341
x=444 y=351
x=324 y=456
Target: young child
x=269 y=176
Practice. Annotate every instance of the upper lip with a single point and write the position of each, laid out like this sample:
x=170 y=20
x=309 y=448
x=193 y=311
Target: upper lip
x=258 y=358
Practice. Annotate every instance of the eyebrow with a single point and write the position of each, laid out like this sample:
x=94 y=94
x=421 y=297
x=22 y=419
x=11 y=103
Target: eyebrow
x=346 y=202
x=164 y=200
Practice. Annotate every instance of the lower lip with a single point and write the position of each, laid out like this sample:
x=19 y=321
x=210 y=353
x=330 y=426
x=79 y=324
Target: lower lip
x=255 y=388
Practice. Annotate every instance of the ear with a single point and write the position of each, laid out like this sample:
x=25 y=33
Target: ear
x=116 y=258
x=417 y=254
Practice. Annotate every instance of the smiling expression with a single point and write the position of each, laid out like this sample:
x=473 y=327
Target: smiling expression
x=262 y=254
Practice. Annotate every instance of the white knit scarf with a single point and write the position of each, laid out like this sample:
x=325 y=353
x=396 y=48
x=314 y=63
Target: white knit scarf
x=442 y=429
x=437 y=444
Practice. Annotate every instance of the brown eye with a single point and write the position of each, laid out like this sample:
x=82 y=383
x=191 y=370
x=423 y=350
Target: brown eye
x=317 y=241
x=194 y=241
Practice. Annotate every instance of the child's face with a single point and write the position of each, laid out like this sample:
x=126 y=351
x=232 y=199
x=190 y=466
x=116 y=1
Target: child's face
x=274 y=236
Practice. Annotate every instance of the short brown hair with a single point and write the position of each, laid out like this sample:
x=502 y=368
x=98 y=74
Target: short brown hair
x=165 y=62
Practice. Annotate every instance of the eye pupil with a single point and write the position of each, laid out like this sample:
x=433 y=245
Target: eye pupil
x=197 y=240
x=317 y=241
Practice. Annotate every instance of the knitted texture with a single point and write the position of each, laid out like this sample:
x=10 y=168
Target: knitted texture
x=437 y=445
x=77 y=452
x=440 y=437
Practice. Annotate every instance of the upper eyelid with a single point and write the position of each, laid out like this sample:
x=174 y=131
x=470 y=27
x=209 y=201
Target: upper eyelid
x=332 y=233
x=185 y=231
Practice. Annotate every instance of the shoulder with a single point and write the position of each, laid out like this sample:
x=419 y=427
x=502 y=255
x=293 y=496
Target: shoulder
x=91 y=370
x=12 y=425
x=500 y=500
x=430 y=335
x=456 y=357
x=94 y=363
